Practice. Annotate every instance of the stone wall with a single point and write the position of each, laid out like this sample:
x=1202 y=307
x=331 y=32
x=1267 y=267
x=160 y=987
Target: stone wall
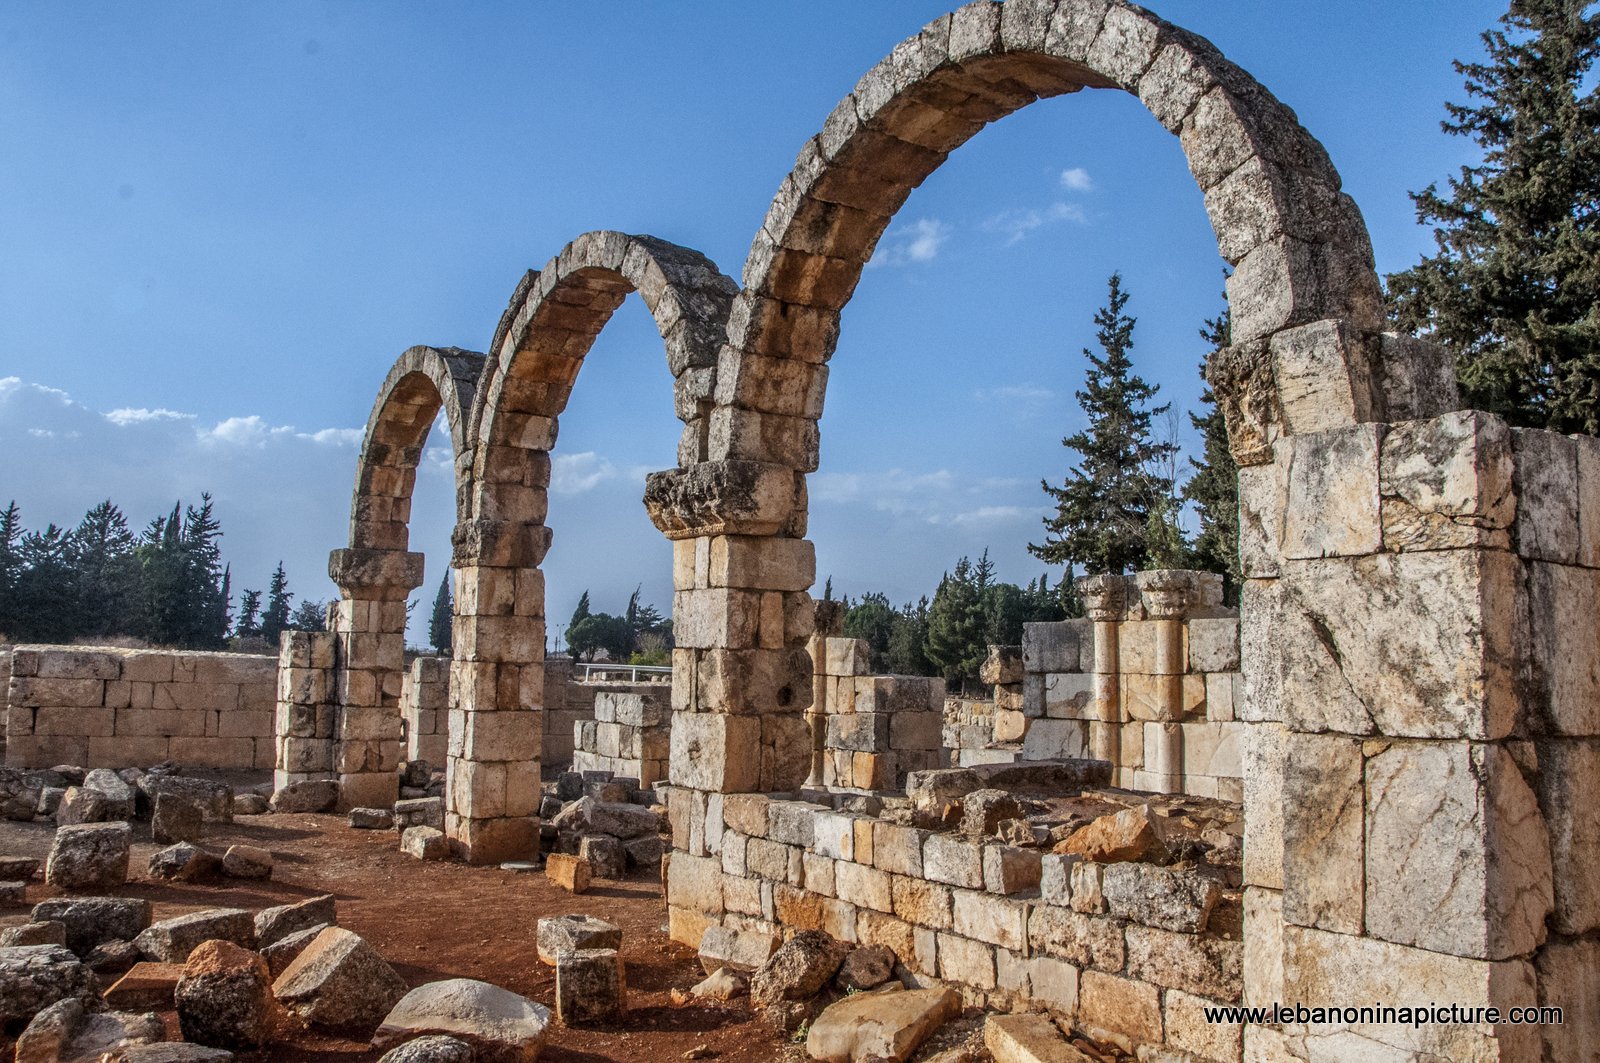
x=424 y=705
x=630 y=735
x=875 y=729
x=112 y=708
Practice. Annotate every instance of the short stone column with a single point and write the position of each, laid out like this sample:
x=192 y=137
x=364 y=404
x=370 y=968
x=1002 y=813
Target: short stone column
x=1104 y=597
x=305 y=743
x=1165 y=596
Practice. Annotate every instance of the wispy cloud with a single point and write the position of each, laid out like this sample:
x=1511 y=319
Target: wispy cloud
x=1077 y=179
x=940 y=497
x=1025 y=393
x=1015 y=225
x=913 y=241
x=138 y=415
x=573 y=474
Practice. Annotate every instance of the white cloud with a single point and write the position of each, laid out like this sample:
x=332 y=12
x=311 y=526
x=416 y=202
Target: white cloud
x=136 y=415
x=913 y=241
x=339 y=437
x=1077 y=179
x=573 y=474
x=988 y=516
x=1029 y=394
x=1017 y=224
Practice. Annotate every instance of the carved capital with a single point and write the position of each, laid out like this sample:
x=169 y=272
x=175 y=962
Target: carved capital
x=1104 y=596
x=1241 y=378
x=366 y=574
x=721 y=498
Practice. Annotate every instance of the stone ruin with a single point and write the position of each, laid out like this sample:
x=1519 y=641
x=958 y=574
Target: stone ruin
x=1415 y=705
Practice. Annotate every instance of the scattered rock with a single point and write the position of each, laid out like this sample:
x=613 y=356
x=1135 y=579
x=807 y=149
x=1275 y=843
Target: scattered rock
x=569 y=786
x=607 y=858
x=246 y=861
x=118 y=795
x=250 y=805
x=171 y=1052
x=48 y=805
x=799 y=969
x=419 y=812
x=435 y=1048
x=275 y=924
x=1159 y=896
x=742 y=950
x=184 y=862
x=644 y=851
x=177 y=818
x=18 y=868
x=47 y=932
x=1120 y=836
x=13 y=894
x=339 y=982
x=887 y=1025
x=172 y=940
x=867 y=967
x=89 y=855
x=223 y=998
x=32 y=977
x=559 y=934
x=618 y=819
x=93 y=920
x=146 y=986
x=280 y=954
x=115 y=955
x=214 y=798
x=69 y=1032
x=571 y=873
x=501 y=1026
x=308 y=795
x=425 y=843
x=725 y=984
x=1028 y=1039
x=591 y=986
x=982 y=812
x=789 y=1017
x=79 y=804
x=371 y=819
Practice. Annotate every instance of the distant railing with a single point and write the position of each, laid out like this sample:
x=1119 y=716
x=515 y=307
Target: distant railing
x=609 y=672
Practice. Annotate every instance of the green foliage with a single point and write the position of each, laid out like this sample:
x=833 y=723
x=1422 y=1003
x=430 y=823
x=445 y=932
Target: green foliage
x=907 y=651
x=11 y=532
x=581 y=612
x=956 y=643
x=1213 y=489
x=640 y=630
x=872 y=619
x=107 y=572
x=441 y=623
x=600 y=631
x=309 y=616
x=275 y=617
x=1103 y=509
x=1512 y=290
x=249 y=624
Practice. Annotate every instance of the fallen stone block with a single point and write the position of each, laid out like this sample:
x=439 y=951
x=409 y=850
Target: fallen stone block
x=146 y=987
x=1126 y=835
x=89 y=855
x=171 y=1052
x=92 y=920
x=224 y=998
x=741 y=950
x=725 y=984
x=250 y=805
x=419 y=812
x=558 y=934
x=19 y=868
x=275 y=924
x=798 y=969
x=307 y=795
x=339 y=982
x=184 y=862
x=887 y=1025
x=13 y=894
x=1028 y=1039
x=118 y=795
x=607 y=858
x=79 y=804
x=177 y=818
x=569 y=786
x=618 y=819
x=867 y=967
x=570 y=872
x=172 y=940
x=982 y=812
x=111 y=956
x=501 y=1026
x=425 y=843
x=214 y=798
x=246 y=861
x=32 y=977
x=281 y=953
x=435 y=1048
x=591 y=986
x=644 y=851
x=49 y=932
x=371 y=819
x=69 y=1032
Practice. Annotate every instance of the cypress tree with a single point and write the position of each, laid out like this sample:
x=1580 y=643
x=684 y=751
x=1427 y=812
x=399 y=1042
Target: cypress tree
x=1214 y=486
x=1512 y=291
x=276 y=616
x=441 y=623
x=10 y=568
x=1103 y=509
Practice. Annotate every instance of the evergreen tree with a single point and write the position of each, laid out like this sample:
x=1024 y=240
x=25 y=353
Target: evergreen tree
x=1102 y=518
x=441 y=625
x=1213 y=488
x=204 y=592
x=1513 y=289
x=1005 y=609
x=956 y=645
x=163 y=580
x=107 y=571
x=309 y=616
x=578 y=614
x=10 y=569
x=249 y=625
x=275 y=618
x=872 y=619
x=908 y=641
x=46 y=587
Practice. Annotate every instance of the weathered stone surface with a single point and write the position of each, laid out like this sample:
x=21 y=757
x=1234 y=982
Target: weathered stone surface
x=171 y=1052
x=605 y=854
x=1123 y=1011
x=247 y=861
x=1333 y=494
x=1446 y=483
x=1082 y=940
x=172 y=940
x=89 y=855
x=567 y=933
x=1159 y=896
x=723 y=984
x=1003 y=666
x=588 y=816
x=982 y=812
x=110 y=956
x=274 y=924
x=147 y=986
x=339 y=982
x=889 y=1026
x=281 y=953
x=215 y=798
x=184 y=863
x=1126 y=835
x=92 y=920
x=419 y=812
x=69 y=1032
x=569 y=871
x=741 y=950
x=1028 y=1039
x=425 y=843
x=799 y=969
x=224 y=998
x=1324 y=855
x=371 y=818
x=501 y=1026
x=866 y=967
x=591 y=986
x=435 y=1048
x=1195 y=963
x=44 y=933
x=308 y=795
x=250 y=805
x=176 y=819
x=32 y=977
x=19 y=868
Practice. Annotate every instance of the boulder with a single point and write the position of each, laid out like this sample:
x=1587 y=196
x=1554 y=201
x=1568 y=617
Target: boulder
x=435 y=1048
x=19 y=794
x=69 y=1032
x=32 y=977
x=224 y=998
x=118 y=795
x=184 y=863
x=114 y=955
x=49 y=802
x=799 y=969
x=371 y=819
x=250 y=805
x=618 y=819
x=417 y=773
x=246 y=861
x=591 y=986
x=177 y=818
x=13 y=893
x=867 y=967
x=171 y=1052
x=48 y=932
x=889 y=1026
x=275 y=924
x=570 y=872
x=280 y=954
x=724 y=985
x=1120 y=836
x=146 y=986
x=558 y=934
x=569 y=786
x=419 y=812
x=172 y=940
x=425 y=843
x=79 y=804
x=501 y=1026
x=339 y=982
x=93 y=920
x=308 y=795
x=214 y=798
x=644 y=851
x=89 y=855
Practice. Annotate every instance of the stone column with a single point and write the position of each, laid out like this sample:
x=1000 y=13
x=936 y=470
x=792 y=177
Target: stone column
x=306 y=715
x=1165 y=594
x=828 y=623
x=1105 y=597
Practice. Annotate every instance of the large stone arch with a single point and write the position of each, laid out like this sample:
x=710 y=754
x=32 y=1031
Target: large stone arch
x=553 y=319
x=360 y=741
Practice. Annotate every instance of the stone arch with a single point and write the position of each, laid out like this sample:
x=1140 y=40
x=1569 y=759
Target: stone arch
x=548 y=328
x=362 y=742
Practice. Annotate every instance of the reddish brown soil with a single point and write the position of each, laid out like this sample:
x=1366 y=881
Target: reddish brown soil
x=446 y=920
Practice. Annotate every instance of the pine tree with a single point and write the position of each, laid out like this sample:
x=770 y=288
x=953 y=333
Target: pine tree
x=441 y=624
x=1102 y=517
x=163 y=580
x=47 y=587
x=309 y=616
x=205 y=594
x=956 y=646
x=872 y=619
x=10 y=569
x=1213 y=489
x=102 y=555
x=1513 y=289
x=249 y=625
x=908 y=641
x=275 y=618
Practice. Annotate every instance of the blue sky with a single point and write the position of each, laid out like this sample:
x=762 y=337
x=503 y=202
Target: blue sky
x=222 y=223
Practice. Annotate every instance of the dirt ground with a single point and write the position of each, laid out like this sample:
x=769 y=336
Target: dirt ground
x=447 y=920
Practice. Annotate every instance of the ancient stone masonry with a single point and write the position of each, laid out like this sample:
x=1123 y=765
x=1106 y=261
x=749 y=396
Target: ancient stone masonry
x=876 y=729
x=112 y=708
x=424 y=700
x=629 y=736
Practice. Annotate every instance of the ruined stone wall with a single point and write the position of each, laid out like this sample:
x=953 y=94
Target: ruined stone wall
x=111 y=708
x=876 y=729
x=630 y=734
x=424 y=705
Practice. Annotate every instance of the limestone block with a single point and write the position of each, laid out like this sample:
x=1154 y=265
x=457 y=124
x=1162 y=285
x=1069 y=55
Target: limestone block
x=1417 y=645
x=1318 y=965
x=889 y=1026
x=1195 y=963
x=1333 y=508
x=765 y=563
x=1565 y=628
x=1458 y=855
x=1184 y=1018
x=864 y=886
x=89 y=855
x=1009 y=870
x=1263 y=946
x=953 y=860
x=591 y=986
x=1263 y=498
x=1264 y=755
x=1079 y=939
x=1588 y=500
x=1224 y=690
x=1126 y=1013
x=1056 y=646
x=1068 y=695
x=995 y=920
x=922 y=903
x=569 y=871
x=1160 y=897
x=1546 y=484
x=914 y=730
x=966 y=961
x=1323 y=825
x=1569 y=797
x=847 y=657
x=1321 y=374
x=1569 y=978
x=897 y=848
x=713 y=752
x=1056 y=739
x=1447 y=483
x=1213 y=644
x=1027 y=1039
